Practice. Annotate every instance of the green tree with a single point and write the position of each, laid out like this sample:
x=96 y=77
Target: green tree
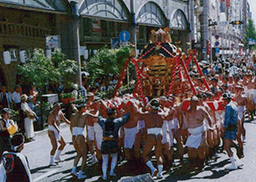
x=107 y=61
x=249 y=33
x=42 y=70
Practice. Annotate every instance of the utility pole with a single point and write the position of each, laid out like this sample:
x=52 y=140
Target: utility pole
x=204 y=29
x=133 y=25
x=76 y=41
x=192 y=23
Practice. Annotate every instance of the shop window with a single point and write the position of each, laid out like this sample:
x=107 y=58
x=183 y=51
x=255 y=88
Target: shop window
x=112 y=29
x=86 y=26
x=141 y=32
x=104 y=28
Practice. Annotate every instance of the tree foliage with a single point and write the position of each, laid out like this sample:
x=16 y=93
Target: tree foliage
x=250 y=32
x=42 y=70
x=107 y=61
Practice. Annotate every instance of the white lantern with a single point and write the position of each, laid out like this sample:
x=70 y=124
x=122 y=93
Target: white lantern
x=7 y=57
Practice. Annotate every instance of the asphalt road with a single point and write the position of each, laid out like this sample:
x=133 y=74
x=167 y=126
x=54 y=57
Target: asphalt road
x=38 y=156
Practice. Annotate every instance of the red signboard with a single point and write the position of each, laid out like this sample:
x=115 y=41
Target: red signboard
x=208 y=48
x=228 y=3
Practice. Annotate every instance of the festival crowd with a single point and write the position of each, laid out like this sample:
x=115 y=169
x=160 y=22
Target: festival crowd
x=133 y=128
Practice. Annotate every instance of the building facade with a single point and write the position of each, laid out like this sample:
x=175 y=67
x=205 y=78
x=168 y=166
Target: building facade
x=79 y=25
x=25 y=25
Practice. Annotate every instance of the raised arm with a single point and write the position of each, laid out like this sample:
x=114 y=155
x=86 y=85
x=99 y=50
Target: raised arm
x=207 y=117
x=63 y=118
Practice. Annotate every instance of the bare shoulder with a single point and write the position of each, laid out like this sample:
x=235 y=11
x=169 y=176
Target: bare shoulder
x=202 y=109
x=51 y=114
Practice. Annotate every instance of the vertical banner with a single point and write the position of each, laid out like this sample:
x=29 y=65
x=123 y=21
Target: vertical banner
x=223 y=5
x=208 y=47
x=228 y=3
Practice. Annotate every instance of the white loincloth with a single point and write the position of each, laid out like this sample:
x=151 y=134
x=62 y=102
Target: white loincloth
x=240 y=111
x=141 y=124
x=194 y=140
x=129 y=137
x=56 y=133
x=251 y=93
x=78 y=131
x=74 y=131
x=98 y=135
x=90 y=132
x=175 y=124
x=167 y=133
x=155 y=131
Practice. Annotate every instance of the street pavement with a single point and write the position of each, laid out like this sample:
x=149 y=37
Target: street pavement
x=38 y=155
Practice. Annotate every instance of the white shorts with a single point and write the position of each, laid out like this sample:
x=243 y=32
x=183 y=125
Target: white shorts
x=129 y=137
x=98 y=135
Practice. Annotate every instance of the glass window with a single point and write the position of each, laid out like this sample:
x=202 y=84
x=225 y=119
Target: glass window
x=104 y=28
x=112 y=29
x=86 y=24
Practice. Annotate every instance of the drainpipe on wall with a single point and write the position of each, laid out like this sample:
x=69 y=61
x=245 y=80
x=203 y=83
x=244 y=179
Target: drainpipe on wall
x=204 y=29
x=192 y=22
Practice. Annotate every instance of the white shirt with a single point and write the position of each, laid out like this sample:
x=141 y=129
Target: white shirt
x=25 y=107
x=16 y=97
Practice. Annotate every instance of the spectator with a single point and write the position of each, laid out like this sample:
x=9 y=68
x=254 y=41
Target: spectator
x=30 y=116
x=16 y=97
x=5 y=123
x=35 y=107
x=75 y=91
x=5 y=99
x=205 y=70
x=102 y=87
x=33 y=91
x=83 y=87
x=110 y=86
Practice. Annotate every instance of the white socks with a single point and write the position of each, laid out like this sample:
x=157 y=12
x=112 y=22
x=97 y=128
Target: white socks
x=151 y=167
x=104 y=165
x=160 y=169
x=73 y=170
x=81 y=175
x=237 y=160
x=233 y=164
x=57 y=157
x=113 y=163
x=51 y=160
x=232 y=159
